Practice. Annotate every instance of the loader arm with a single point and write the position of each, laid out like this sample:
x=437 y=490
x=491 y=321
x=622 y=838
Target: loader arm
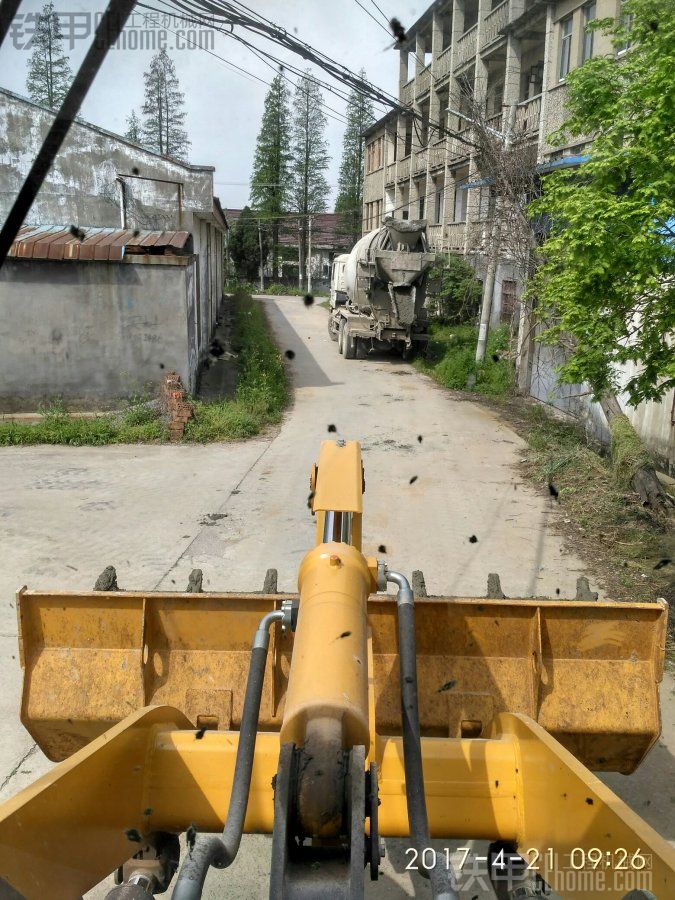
x=142 y=697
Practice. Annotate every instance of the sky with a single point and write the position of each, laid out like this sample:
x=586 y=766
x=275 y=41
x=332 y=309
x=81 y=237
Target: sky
x=224 y=107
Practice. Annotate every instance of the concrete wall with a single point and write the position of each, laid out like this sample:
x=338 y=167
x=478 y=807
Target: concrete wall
x=654 y=422
x=94 y=331
x=92 y=170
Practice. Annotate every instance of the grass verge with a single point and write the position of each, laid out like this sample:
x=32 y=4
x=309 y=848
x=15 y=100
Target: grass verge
x=138 y=423
x=261 y=396
x=262 y=391
x=451 y=360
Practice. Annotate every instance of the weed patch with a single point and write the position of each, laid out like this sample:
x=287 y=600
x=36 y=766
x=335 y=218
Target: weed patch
x=451 y=360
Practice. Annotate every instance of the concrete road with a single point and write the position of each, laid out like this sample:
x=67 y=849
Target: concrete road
x=68 y=512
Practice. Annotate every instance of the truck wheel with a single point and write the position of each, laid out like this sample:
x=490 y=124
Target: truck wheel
x=332 y=331
x=349 y=344
x=341 y=336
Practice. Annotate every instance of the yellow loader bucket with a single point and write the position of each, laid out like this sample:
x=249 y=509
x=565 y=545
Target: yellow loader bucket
x=587 y=672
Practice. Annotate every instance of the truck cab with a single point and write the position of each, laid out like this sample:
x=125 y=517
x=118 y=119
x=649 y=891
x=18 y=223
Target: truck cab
x=338 y=289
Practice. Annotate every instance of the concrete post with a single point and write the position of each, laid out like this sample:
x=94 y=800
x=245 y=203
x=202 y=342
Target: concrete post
x=547 y=80
x=402 y=71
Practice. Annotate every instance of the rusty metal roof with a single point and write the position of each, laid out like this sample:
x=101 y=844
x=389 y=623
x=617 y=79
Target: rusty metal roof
x=113 y=244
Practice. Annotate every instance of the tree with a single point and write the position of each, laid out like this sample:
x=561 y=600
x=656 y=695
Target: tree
x=49 y=74
x=271 y=179
x=310 y=189
x=456 y=290
x=349 y=202
x=244 y=244
x=607 y=283
x=133 y=132
x=163 y=109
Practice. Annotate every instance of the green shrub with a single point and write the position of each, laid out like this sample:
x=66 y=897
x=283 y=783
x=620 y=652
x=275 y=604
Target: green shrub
x=456 y=292
x=451 y=360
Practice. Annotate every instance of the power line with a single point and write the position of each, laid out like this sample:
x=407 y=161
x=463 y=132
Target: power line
x=386 y=18
x=368 y=13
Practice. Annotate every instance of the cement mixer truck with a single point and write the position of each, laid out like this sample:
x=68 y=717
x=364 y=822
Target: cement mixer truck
x=378 y=291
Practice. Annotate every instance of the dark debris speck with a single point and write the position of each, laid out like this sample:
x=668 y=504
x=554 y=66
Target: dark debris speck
x=77 y=232
x=382 y=549
x=199 y=733
x=308 y=299
x=662 y=562
x=290 y=354
x=332 y=429
x=473 y=539
x=397 y=30
x=133 y=835
x=447 y=686
x=413 y=479
x=191 y=837
x=553 y=490
x=496 y=357
x=419 y=438
x=589 y=800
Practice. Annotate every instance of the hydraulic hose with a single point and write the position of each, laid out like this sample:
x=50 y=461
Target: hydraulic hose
x=220 y=851
x=440 y=875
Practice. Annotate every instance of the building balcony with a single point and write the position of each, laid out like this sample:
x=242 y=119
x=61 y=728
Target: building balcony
x=390 y=173
x=420 y=161
x=442 y=64
x=435 y=237
x=408 y=92
x=423 y=81
x=437 y=155
x=403 y=168
x=495 y=20
x=454 y=236
x=528 y=113
x=457 y=149
x=494 y=121
x=465 y=48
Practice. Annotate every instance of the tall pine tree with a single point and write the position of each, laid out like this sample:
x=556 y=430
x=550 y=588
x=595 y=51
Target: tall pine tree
x=49 y=74
x=310 y=189
x=271 y=180
x=163 y=109
x=349 y=202
x=133 y=132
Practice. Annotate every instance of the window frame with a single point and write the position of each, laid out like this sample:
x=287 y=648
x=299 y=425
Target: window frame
x=587 y=42
x=565 y=60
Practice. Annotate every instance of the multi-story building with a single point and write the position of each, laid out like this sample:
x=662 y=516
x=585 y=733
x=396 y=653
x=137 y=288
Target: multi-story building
x=507 y=59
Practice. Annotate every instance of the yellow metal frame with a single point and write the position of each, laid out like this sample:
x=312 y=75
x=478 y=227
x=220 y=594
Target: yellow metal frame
x=507 y=689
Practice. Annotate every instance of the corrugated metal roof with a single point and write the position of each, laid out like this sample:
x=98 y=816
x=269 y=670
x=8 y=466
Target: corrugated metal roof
x=113 y=244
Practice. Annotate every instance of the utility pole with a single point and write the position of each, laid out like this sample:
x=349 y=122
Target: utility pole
x=309 y=255
x=495 y=240
x=262 y=282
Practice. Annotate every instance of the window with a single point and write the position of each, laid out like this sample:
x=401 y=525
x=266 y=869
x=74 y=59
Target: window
x=422 y=198
x=509 y=301
x=374 y=154
x=438 y=218
x=627 y=24
x=589 y=15
x=408 y=138
x=565 y=46
x=460 y=200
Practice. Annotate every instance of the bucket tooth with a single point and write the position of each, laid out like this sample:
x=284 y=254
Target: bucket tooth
x=270 y=583
x=419 y=585
x=107 y=580
x=194 y=585
x=584 y=591
x=494 y=588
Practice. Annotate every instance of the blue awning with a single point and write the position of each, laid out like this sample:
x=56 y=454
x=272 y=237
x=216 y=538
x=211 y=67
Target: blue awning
x=567 y=162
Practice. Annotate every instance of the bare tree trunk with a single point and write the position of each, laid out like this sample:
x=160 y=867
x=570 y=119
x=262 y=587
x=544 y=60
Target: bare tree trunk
x=644 y=480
